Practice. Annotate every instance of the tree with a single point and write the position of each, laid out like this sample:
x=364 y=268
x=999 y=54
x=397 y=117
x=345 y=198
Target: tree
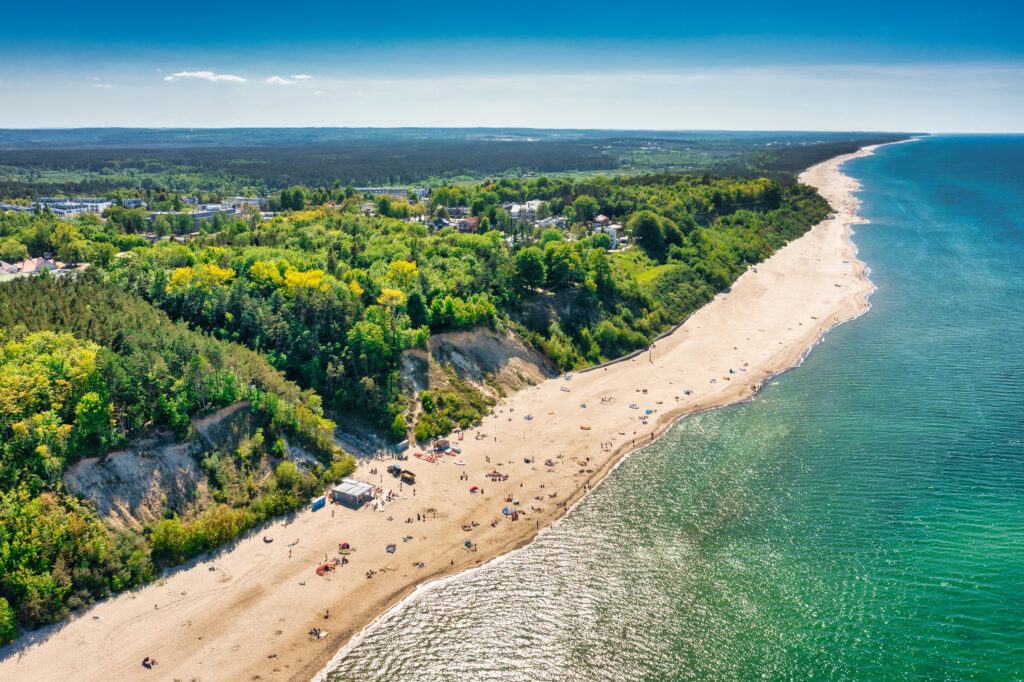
x=73 y=251
x=646 y=228
x=398 y=427
x=162 y=226
x=586 y=207
x=134 y=222
x=92 y=421
x=12 y=250
x=550 y=235
x=530 y=268
x=417 y=310
x=563 y=264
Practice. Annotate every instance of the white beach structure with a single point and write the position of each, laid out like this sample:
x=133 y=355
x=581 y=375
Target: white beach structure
x=352 y=492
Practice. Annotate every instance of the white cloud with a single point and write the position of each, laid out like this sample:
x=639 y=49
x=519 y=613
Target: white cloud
x=277 y=80
x=102 y=85
x=302 y=76
x=206 y=75
x=318 y=92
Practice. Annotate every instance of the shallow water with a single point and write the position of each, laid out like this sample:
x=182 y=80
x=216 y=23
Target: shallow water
x=862 y=519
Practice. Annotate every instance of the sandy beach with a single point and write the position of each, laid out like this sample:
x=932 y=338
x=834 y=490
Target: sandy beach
x=246 y=613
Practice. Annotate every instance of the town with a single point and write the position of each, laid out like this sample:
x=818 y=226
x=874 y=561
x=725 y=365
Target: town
x=189 y=217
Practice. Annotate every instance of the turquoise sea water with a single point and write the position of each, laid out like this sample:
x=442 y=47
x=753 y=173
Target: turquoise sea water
x=863 y=518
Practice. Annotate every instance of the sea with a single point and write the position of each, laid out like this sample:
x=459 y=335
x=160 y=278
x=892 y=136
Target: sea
x=861 y=519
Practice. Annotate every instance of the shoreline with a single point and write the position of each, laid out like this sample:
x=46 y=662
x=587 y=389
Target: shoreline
x=246 y=611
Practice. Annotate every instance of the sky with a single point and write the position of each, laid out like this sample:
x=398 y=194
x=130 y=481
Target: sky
x=898 y=65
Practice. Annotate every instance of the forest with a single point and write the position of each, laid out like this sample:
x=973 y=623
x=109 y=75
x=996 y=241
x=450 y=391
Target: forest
x=84 y=368
x=39 y=163
x=307 y=314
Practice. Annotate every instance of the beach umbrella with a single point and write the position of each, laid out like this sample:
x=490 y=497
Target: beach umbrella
x=474 y=489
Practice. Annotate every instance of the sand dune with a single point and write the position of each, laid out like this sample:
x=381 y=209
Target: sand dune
x=246 y=613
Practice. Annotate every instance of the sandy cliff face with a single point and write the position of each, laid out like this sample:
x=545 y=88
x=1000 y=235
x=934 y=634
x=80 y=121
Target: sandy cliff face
x=161 y=474
x=134 y=486
x=503 y=357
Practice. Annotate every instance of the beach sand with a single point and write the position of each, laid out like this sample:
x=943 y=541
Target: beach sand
x=245 y=613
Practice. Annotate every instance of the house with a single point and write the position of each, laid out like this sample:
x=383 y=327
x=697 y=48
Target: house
x=134 y=203
x=613 y=231
x=33 y=266
x=352 y=492
x=601 y=220
x=439 y=223
x=8 y=268
x=553 y=221
x=471 y=224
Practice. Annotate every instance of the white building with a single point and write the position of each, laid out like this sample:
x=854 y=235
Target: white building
x=613 y=230
x=64 y=207
x=245 y=202
x=553 y=221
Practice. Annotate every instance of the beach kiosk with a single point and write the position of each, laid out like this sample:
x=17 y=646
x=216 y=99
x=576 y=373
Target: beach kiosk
x=352 y=492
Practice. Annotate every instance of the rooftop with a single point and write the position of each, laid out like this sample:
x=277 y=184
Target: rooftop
x=350 y=486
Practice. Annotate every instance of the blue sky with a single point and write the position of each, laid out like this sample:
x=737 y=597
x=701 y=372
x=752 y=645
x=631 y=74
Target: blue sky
x=865 y=65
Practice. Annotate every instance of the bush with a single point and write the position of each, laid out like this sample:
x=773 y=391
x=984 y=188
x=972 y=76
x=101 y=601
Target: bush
x=398 y=427
x=8 y=626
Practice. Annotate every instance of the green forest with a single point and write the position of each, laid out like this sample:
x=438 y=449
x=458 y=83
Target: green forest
x=100 y=161
x=85 y=367
x=309 y=313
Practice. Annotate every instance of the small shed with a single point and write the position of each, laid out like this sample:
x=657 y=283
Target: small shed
x=351 y=492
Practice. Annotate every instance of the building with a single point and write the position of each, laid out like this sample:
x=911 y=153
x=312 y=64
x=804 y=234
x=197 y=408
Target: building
x=471 y=224
x=205 y=213
x=352 y=492
x=601 y=220
x=245 y=202
x=15 y=207
x=133 y=203
x=64 y=207
x=553 y=221
x=613 y=231
x=397 y=192
x=34 y=266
